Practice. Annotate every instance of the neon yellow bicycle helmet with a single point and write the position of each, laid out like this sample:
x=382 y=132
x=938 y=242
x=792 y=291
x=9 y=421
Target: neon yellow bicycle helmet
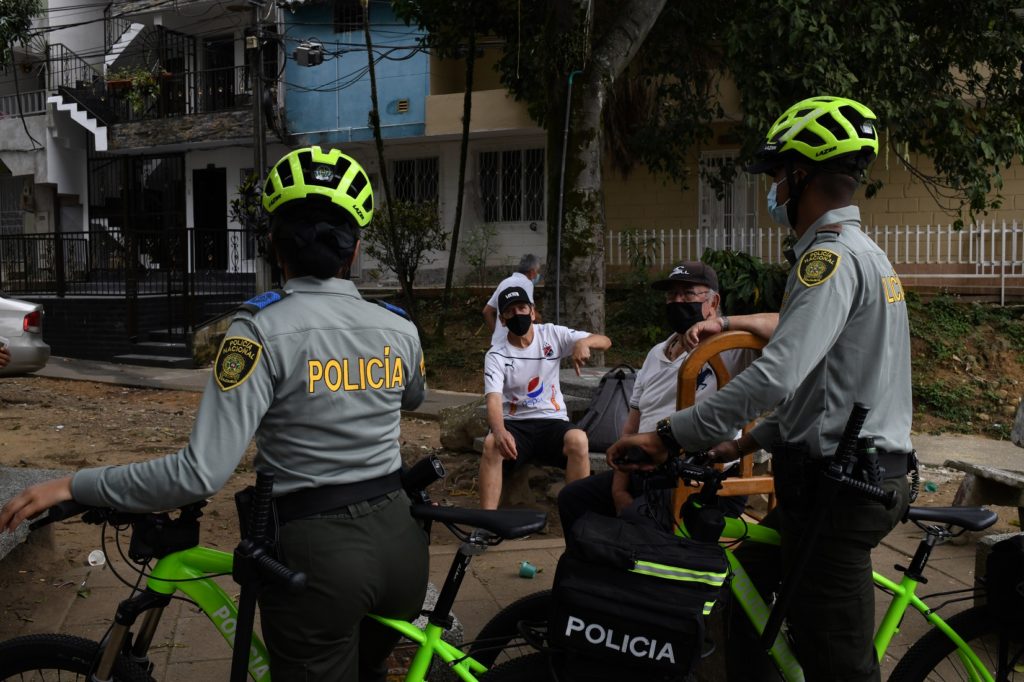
x=835 y=132
x=311 y=171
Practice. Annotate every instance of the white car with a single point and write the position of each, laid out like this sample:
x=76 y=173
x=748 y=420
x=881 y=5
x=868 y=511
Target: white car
x=21 y=322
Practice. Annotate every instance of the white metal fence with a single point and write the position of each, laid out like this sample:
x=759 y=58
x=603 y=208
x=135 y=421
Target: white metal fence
x=33 y=102
x=979 y=250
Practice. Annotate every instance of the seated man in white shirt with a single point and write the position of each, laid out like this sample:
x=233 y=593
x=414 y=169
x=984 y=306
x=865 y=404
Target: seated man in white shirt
x=692 y=305
x=525 y=408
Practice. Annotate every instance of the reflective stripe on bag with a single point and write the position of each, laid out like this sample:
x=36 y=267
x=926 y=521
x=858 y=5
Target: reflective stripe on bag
x=677 y=573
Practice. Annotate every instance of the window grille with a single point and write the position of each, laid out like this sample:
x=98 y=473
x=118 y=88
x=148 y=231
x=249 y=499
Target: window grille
x=415 y=180
x=348 y=15
x=512 y=185
x=737 y=207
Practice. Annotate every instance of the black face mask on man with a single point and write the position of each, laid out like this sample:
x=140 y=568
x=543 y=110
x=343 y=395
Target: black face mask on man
x=519 y=324
x=682 y=316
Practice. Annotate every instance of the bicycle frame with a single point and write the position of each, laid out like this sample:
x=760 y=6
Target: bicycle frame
x=186 y=571
x=904 y=598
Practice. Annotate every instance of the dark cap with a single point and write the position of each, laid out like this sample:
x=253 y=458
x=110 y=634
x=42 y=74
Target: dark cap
x=511 y=296
x=692 y=271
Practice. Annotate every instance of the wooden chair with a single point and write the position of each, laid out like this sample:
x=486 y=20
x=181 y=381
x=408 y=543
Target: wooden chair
x=708 y=352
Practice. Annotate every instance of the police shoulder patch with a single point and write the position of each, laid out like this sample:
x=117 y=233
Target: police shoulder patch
x=235 y=362
x=817 y=266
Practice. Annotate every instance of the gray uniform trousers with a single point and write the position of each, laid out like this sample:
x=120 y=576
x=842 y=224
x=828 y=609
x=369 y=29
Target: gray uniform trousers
x=832 y=615
x=369 y=557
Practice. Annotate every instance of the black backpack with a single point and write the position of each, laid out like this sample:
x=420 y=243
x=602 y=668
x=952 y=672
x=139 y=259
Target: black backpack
x=609 y=408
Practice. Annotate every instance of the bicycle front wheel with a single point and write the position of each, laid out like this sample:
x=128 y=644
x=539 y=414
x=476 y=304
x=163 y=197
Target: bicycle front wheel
x=935 y=657
x=59 y=657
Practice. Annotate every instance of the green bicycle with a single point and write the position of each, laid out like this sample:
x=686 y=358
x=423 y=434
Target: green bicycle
x=182 y=566
x=970 y=645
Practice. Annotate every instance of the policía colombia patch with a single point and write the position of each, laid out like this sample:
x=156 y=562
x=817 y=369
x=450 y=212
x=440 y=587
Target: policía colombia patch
x=235 y=362
x=817 y=266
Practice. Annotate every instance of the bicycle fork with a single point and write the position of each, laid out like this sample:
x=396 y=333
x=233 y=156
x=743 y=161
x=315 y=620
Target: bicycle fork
x=119 y=640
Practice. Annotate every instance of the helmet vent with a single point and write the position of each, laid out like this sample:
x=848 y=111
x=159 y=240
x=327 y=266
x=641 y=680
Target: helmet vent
x=865 y=129
x=284 y=171
x=357 y=185
x=834 y=127
x=368 y=204
x=809 y=137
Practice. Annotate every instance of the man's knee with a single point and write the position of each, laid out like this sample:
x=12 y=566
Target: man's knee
x=575 y=443
x=490 y=453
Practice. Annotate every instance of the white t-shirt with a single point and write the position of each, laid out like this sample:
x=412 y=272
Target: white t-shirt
x=516 y=279
x=654 y=391
x=527 y=378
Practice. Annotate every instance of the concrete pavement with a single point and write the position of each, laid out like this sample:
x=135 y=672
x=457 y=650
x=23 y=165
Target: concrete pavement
x=187 y=649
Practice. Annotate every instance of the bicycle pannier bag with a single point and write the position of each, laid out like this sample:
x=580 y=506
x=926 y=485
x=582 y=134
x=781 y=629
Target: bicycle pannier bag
x=1004 y=579
x=608 y=408
x=629 y=596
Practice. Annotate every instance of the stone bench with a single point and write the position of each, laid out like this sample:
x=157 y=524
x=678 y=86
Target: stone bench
x=989 y=485
x=12 y=482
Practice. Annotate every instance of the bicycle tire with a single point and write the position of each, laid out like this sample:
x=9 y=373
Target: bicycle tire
x=533 y=667
x=502 y=630
x=46 y=654
x=933 y=657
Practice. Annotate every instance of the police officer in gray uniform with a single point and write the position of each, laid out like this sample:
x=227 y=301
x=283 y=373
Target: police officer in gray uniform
x=842 y=338
x=320 y=376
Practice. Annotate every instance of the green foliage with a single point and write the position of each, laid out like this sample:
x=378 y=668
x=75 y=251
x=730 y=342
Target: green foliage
x=942 y=324
x=16 y=25
x=951 y=402
x=638 y=317
x=747 y=283
x=405 y=244
x=942 y=75
x=478 y=247
x=246 y=209
x=143 y=85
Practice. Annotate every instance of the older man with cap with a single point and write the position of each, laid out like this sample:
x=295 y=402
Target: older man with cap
x=692 y=303
x=525 y=408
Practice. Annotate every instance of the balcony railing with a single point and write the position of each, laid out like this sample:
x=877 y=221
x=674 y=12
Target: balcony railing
x=183 y=94
x=33 y=102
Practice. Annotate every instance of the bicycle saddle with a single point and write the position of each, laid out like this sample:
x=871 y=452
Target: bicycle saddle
x=969 y=518
x=507 y=523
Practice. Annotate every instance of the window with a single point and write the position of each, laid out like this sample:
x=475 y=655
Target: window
x=736 y=209
x=512 y=185
x=415 y=180
x=348 y=15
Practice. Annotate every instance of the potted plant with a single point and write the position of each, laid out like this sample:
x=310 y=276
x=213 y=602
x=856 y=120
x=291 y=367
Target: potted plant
x=136 y=83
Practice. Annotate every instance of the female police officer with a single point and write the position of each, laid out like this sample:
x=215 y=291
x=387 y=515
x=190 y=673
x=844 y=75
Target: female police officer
x=319 y=376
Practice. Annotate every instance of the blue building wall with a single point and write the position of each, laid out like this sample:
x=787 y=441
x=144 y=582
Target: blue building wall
x=330 y=103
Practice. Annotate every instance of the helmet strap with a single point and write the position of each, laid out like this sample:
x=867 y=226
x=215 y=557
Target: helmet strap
x=796 y=190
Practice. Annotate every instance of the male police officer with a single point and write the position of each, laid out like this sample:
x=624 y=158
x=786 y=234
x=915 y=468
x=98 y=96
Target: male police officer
x=320 y=376
x=842 y=338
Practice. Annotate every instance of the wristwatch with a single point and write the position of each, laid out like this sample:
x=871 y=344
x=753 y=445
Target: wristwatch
x=664 y=431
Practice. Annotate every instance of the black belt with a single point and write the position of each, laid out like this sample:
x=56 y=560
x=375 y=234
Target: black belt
x=895 y=464
x=311 y=501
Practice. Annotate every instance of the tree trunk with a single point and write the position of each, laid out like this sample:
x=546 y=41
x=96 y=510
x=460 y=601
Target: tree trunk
x=582 y=276
x=467 y=108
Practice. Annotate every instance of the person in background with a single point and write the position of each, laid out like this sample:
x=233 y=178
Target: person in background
x=525 y=408
x=691 y=301
x=525 y=276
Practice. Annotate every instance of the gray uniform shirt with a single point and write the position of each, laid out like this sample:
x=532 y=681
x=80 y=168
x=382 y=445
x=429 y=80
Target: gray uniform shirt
x=843 y=337
x=320 y=377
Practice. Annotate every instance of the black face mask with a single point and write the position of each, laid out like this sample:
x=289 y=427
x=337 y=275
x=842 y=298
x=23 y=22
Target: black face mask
x=682 y=316
x=519 y=324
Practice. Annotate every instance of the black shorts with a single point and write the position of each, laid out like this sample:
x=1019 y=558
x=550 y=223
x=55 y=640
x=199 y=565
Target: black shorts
x=538 y=441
